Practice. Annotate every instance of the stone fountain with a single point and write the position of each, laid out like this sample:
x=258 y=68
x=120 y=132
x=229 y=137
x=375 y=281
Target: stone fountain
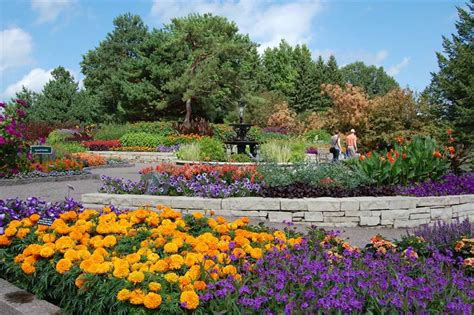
x=241 y=129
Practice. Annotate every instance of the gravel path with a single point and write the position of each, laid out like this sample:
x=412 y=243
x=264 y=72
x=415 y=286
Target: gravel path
x=56 y=191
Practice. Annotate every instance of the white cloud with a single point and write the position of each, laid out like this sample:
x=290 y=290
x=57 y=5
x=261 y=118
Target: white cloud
x=394 y=70
x=266 y=22
x=15 y=48
x=34 y=80
x=49 y=10
x=324 y=53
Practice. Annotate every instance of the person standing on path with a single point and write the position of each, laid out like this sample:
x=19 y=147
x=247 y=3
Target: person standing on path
x=351 y=142
x=335 y=146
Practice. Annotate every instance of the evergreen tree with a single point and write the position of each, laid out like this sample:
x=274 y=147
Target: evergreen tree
x=280 y=73
x=374 y=80
x=305 y=92
x=108 y=67
x=27 y=95
x=454 y=83
x=333 y=74
x=61 y=101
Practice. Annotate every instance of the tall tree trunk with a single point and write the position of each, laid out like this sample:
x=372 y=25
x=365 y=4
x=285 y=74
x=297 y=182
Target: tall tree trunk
x=187 y=118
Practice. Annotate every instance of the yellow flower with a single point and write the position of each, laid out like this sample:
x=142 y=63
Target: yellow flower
x=80 y=281
x=189 y=300
x=171 y=277
x=63 y=265
x=198 y=215
x=136 y=297
x=200 y=285
x=256 y=253
x=47 y=251
x=4 y=240
x=28 y=268
x=229 y=270
x=154 y=286
x=22 y=233
x=160 y=266
x=152 y=300
x=136 y=277
x=176 y=261
x=10 y=231
x=49 y=238
x=123 y=295
x=109 y=241
x=170 y=248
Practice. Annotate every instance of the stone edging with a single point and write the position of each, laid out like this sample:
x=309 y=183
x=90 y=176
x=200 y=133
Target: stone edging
x=31 y=305
x=144 y=157
x=24 y=181
x=398 y=212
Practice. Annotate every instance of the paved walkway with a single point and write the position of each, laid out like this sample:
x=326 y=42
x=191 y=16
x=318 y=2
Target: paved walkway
x=57 y=191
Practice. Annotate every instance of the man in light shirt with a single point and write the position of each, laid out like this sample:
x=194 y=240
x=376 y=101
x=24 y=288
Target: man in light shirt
x=351 y=141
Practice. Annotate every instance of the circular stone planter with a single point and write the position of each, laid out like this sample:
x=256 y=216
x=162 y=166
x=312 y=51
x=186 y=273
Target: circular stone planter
x=138 y=157
x=397 y=211
x=24 y=181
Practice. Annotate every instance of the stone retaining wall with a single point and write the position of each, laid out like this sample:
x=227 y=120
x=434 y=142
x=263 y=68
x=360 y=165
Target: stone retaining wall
x=397 y=212
x=139 y=157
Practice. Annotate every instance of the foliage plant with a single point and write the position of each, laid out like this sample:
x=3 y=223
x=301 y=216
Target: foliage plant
x=14 y=150
x=240 y=158
x=141 y=139
x=189 y=152
x=316 y=136
x=284 y=151
x=313 y=175
x=212 y=150
x=275 y=152
x=223 y=132
x=102 y=145
x=111 y=131
x=417 y=160
x=450 y=184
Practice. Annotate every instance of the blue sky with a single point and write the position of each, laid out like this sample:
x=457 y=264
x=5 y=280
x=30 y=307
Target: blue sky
x=400 y=35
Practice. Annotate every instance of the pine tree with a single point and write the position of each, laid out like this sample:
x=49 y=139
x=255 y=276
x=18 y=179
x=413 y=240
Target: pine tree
x=304 y=96
x=455 y=79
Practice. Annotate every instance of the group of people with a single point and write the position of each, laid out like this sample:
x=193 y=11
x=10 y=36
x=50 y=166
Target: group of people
x=350 y=145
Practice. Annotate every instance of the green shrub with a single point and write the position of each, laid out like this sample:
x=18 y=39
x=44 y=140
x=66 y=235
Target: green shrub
x=270 y=136
x=223 y=132
x=317 y=136
x=418 y=160
x=313 y=174
x=57 y=136
x=111 y=131
x=190 y=152
x=240 y=158
x=161 y=128
x=255 y=134
x=212 y=150
x=141 y=139
x=63 y=149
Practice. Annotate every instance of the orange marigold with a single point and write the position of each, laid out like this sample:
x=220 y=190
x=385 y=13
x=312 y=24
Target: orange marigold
x=154 y=286
x=189 y=300
x=63 y=265
x=136 y=277
x=152 y=300
x=123 y=295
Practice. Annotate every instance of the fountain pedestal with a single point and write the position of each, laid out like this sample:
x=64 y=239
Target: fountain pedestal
x=241 y=139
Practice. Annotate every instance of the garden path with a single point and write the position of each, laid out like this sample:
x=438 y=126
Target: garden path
x=56 y=191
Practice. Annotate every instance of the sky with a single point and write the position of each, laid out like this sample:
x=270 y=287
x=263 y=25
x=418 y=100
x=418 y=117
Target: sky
x=400 y=35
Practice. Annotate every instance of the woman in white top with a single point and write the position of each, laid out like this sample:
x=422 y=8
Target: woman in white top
x=335 y=146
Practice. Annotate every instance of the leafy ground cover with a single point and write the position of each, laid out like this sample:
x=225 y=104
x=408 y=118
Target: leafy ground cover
x=141 y=261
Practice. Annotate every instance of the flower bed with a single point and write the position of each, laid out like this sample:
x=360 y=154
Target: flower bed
x=297 y=181
x=189 y=180
x=140 y=261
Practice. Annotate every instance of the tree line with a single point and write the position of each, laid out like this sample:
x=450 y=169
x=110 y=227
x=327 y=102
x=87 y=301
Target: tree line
x=201 y=65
